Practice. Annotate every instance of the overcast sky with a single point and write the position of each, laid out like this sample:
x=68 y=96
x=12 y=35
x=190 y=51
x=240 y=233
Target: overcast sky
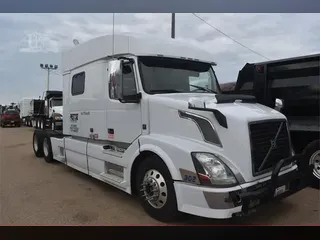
x=26 y=40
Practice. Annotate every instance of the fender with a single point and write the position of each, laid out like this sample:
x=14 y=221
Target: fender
x=167 y=160
x=156 y=150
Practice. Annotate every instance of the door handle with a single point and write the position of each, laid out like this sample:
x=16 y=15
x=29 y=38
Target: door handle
x=108 y=147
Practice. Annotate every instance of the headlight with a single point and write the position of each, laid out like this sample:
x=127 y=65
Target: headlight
x=212 y=171
x=58 y=118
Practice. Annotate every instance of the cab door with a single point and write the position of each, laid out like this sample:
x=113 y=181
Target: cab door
x=124 y=121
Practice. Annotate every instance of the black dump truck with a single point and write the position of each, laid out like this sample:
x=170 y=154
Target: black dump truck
x=292 y=86
x=50 y=112
x=37 y=109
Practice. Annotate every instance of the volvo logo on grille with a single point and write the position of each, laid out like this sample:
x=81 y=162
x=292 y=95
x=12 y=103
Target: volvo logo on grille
x=273 y=145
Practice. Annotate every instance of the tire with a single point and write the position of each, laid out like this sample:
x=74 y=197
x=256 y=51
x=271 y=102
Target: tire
x=37 y=145
x=167 y=210
x=312 y=154
x=47 y=150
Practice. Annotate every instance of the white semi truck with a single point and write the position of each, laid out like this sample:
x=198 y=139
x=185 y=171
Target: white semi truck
x=134 y=119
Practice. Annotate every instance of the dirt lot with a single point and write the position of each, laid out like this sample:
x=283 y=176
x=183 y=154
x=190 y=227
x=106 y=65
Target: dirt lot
x=34 y=192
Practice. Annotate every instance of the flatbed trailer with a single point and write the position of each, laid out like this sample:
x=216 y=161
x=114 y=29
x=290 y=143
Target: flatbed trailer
x=291 y=86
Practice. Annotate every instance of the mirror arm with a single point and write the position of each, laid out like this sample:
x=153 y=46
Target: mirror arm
x=125 y=58
x=131 y=99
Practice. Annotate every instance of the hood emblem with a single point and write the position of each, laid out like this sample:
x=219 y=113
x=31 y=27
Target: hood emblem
x=273 y=145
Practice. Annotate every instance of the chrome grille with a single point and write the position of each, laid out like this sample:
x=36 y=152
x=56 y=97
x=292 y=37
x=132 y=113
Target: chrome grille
x=264 y=135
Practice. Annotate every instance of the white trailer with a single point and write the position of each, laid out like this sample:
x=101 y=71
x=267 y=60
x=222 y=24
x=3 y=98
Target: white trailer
x=132 y=120
x=26 y=109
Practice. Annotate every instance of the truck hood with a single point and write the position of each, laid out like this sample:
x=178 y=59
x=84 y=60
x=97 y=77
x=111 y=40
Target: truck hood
x=234 y=138
x=58 y=109
x=237 y=110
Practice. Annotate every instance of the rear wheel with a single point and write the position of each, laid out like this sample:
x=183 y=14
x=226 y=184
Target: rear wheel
x=312 y=153
x=37 y=145
x=47 y=150
x=156 y=191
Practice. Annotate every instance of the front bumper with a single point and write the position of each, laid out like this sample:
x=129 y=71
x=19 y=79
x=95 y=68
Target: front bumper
x=11 y=122
x=288 y=184
x=244 y=199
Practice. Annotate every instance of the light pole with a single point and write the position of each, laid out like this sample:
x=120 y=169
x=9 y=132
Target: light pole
x=48 y=68
x=173 y=25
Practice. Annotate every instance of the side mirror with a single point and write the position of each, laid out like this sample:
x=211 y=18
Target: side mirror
x=116 y=74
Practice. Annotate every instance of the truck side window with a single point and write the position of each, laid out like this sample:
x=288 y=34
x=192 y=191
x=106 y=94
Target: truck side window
x=77 y=85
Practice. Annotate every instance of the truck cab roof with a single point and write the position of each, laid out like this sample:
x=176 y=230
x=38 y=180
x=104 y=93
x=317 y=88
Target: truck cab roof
x=134 y=44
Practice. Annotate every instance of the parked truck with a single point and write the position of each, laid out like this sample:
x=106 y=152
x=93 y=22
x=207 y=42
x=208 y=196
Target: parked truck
x=134 y=118
x=291 y=86
x=51 y=112
x=37 y=109
x=26 y=109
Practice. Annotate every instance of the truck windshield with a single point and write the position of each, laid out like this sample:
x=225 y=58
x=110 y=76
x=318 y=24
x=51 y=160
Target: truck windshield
x=57 y=102
x=170 y=75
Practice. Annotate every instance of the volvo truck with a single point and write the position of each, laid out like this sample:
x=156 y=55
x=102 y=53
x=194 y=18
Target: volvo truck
x=147 y=116
x=291 y=86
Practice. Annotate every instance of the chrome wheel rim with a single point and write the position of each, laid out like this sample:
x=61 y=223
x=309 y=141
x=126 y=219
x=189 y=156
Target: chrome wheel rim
x=45 y=147
x=154 y=189
x=315 y=160
x=35 y=144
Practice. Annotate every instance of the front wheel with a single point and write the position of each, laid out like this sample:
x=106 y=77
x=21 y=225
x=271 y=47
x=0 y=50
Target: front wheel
x=312 y=153
x=156 y=191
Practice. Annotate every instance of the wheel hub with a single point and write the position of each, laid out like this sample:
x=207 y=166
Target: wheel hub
x=315 y=160
x=154 y=189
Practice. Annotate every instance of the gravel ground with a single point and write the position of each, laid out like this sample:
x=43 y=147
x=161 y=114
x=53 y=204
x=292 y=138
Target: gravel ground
x=33 y=192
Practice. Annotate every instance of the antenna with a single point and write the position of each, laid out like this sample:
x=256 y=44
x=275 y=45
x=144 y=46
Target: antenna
x=112 y=34
x=75 y=42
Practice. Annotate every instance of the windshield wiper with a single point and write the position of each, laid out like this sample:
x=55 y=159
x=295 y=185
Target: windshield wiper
x=203 y=88
x=164 y=91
